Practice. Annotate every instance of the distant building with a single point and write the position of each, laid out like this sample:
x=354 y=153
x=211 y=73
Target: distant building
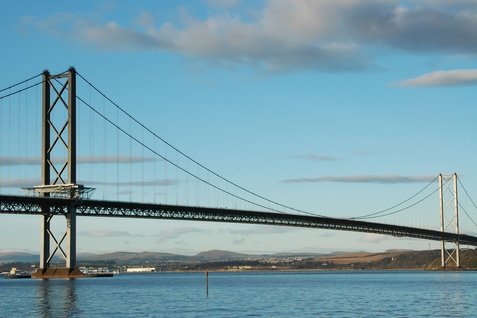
x=140 y=270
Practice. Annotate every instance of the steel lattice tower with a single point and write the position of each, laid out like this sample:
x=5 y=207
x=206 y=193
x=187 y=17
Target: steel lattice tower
x=59 y=171
x=449 y=219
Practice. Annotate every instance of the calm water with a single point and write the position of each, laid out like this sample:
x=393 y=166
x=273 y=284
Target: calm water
x=277 y=294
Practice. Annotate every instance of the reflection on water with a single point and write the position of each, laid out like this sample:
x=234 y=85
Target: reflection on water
x=451 y=299
x=56 y=298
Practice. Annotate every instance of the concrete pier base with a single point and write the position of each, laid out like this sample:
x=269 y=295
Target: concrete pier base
x=58 y=272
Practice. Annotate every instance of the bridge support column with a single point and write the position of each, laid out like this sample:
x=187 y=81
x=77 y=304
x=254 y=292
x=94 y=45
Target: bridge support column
x=44 y=241
x=71 y=236
x=59 y=172
x=449 y=208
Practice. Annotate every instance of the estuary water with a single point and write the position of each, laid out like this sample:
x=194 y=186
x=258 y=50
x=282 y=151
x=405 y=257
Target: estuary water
x=246 y=294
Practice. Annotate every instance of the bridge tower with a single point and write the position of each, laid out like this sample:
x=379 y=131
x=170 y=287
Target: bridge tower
x=449 y=208
x=59 y=172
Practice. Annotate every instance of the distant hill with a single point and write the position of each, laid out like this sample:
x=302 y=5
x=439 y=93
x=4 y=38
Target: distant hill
x=218 y=255
x=212 y=255
x=11 y=257
x=131 y=256
x=395 y=259
x=304 y=255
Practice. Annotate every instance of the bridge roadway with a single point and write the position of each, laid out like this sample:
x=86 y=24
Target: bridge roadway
x=59 y=206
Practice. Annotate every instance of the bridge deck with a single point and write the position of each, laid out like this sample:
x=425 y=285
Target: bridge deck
x=58 y=206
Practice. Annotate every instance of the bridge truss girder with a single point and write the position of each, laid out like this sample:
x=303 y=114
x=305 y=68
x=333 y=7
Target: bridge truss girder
x=60 y=206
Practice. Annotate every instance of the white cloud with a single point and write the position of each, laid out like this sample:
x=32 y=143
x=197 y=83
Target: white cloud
x=284 y=35
x=443 y=78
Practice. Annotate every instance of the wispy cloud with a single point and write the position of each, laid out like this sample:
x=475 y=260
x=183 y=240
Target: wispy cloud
x=30 y=182
x=361 y=152
x=261 y=230
x=19 y=183
x=374 y=238
x=114 y=159
x=157 y=182
x=19 y=161
x=284 y=35
x=313 y=157
x=106 y=233
x=238 y=241
x=442 y=78
x=364 y=179
x=124 y=192
x=176 y=233
x=327 y=234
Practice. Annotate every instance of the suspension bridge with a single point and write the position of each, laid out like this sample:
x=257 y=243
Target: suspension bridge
x=165 y=172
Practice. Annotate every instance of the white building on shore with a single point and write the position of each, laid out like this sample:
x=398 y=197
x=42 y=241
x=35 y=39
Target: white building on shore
x=140 y=270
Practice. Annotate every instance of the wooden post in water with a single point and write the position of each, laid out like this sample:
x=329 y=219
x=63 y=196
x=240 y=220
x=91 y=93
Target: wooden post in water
x=207 y=283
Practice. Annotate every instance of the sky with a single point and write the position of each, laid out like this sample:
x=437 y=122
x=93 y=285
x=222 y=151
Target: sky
x=341 y=108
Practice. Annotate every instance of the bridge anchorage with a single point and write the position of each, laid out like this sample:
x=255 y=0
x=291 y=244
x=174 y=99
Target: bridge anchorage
x=60 y=195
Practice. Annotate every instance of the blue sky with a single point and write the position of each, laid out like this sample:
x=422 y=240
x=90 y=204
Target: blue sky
x=341 y=108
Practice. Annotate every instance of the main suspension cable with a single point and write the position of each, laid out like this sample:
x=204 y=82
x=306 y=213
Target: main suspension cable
x=470 y=198
x=463 y=209
x=458 y=179
x=194 y=161
x=169 y=161
x=376 y=214
x=20 y=90
x=25 y=88
x=19 y=83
